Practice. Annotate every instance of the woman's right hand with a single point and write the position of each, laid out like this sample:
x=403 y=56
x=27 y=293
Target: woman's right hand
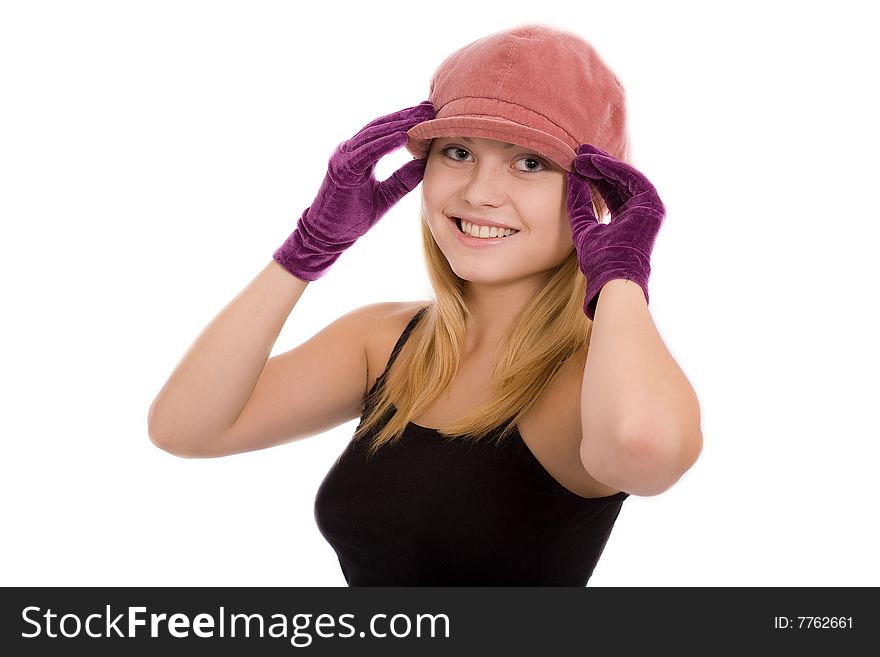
x=351 y=200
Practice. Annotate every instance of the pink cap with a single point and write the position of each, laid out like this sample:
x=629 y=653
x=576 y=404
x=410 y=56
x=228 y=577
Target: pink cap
x=532 y=85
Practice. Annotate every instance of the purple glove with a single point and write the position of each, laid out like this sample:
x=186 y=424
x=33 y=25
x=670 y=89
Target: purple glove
x=351 y=200
x=621 y=248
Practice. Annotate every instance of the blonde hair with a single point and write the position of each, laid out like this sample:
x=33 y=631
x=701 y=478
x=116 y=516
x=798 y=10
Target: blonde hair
x=549 y=330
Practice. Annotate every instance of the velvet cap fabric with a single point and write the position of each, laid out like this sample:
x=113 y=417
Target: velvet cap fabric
x=532 y=85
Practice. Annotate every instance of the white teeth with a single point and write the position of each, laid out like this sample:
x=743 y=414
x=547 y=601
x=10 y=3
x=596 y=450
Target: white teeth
x=484 y=231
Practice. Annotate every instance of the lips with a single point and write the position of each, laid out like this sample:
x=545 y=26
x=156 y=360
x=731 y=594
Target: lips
x=479 y=243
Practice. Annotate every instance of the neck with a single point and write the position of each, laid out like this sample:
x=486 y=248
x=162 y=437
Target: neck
x=493 y=308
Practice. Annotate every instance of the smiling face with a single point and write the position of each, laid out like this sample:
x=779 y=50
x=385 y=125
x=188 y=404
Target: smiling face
x=490 y=182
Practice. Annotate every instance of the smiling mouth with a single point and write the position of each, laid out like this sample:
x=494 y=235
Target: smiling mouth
x=483 y=232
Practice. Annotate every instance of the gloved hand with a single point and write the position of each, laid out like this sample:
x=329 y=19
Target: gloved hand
x=621 y=248
x=350 y=200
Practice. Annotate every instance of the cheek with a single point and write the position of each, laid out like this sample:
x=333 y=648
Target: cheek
x=435 y=222
x=565 y=229
x=433 y=190
x=555 y=237
x=556 y=227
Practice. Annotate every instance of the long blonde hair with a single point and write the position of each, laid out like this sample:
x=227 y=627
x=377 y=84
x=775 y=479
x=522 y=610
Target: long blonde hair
x=549 y=330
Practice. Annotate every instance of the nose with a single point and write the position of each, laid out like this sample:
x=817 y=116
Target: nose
x=484 y=183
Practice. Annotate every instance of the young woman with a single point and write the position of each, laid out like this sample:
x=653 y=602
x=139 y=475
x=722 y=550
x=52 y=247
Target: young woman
x=505 y=420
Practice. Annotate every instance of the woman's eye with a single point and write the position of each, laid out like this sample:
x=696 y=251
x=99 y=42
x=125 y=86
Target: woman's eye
x=533 y=160
x=457 y=149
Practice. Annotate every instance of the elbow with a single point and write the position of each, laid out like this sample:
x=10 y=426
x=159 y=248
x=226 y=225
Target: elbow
x=647 y=465
x=175 y=450
x=163 y=436
x=656 y=463
x=164 y=443
x=157 y=436
x=167 y=443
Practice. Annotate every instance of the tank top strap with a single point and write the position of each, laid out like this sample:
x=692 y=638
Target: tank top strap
x=402 y=340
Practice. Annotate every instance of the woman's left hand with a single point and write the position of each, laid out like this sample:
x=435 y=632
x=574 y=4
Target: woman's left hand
x=621 y=248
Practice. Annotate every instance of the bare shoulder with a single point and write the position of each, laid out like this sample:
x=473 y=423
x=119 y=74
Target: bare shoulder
x=385 y=317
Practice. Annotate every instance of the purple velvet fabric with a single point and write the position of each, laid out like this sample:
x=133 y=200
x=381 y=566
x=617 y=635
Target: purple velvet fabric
x=620 y=249
x=350 y=200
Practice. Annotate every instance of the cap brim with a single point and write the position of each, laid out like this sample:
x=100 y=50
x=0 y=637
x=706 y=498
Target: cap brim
x=419 y=136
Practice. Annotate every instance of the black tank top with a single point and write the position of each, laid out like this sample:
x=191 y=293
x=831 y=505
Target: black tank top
x=428 y=512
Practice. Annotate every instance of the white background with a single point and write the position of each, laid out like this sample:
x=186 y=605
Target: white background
x=154 y=154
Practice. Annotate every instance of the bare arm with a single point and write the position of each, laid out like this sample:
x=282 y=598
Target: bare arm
x=213 y=382
x=640 y=415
